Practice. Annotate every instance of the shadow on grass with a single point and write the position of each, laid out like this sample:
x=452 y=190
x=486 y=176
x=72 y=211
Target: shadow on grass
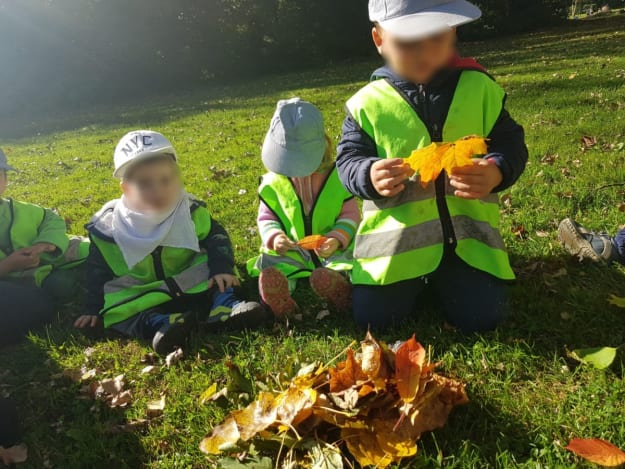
x=61 y=428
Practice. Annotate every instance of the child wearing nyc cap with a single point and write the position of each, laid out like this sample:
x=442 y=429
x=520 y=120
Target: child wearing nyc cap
x=300 y=196
x=36 y=257
x=158 y=260
x=443 y=237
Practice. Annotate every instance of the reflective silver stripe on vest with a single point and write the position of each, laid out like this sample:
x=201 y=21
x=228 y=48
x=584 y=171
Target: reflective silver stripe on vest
x=467 y=228
x=185 y=280
x=413 y=193
x=395 y=242
x=424 y=235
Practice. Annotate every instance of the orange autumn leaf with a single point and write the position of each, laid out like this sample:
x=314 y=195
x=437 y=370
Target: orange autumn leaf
x=409 y=362
x=597 y=451
x=346 y=374
x=312 y=242
x=430 y=161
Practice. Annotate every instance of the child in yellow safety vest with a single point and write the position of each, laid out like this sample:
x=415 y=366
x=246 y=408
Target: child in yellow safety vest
x=441 y=236
x=158 y=260
x=302 y=196
x=36 y=255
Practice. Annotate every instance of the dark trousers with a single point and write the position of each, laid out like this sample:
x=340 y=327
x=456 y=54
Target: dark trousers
x=24 y=306
x=619 y=240
x=469 y=299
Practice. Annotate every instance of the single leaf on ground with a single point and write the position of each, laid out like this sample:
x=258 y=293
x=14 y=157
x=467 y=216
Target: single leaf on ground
x=617 y=301
x=312 y=242
x=597 y=451
x=223 y=437
x=208 y=394
x=174 y=357
x=156 y=408
x=600 y=357
x=238 y=382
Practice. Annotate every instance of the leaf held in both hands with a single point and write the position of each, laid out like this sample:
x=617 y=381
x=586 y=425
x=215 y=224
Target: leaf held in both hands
x=409 y=362
x=597 y=451
x=601 y=357
x=617 y=301
x=312 y=242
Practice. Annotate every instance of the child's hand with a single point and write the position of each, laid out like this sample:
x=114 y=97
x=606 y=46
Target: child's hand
x=40 y=248
x=388 y=176
x=23 y=259
x=282 y=244
x=329 y=247
x=87 y=321
x=223 y=281
x=477 y=181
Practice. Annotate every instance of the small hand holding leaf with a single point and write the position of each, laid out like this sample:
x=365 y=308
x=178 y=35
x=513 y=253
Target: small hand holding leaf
x=329 y=247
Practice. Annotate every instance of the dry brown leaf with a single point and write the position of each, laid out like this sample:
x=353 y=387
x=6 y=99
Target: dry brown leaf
x=597 y=451
x=156 y=408
x=174 y=357
x=363 y=445
x=346 y=374
x=257 y=416
x=122 y=399
x=409 y=362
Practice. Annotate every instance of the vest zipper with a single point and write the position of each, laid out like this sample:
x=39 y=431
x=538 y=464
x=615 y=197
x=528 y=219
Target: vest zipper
x=307 y=219
x=436 y=135
x=157 y=258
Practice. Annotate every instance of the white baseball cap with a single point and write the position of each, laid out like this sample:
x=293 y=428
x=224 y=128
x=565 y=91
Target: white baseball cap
x=411 y=20
x=296 y=141
x=140 y=145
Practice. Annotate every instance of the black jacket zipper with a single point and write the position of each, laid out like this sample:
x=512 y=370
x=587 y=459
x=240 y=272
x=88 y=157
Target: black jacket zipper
x=436 y=135
x=157 y=258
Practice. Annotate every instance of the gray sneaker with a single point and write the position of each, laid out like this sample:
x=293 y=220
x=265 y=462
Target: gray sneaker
x=585 y=244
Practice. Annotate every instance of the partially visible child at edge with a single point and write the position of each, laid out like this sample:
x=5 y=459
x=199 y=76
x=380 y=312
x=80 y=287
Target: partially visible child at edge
x=158 y=260
x=35 y=257
x=444 y=237
x=301 y=196
x=588 y=245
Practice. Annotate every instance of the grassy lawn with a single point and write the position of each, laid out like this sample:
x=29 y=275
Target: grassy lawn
x=527 y=398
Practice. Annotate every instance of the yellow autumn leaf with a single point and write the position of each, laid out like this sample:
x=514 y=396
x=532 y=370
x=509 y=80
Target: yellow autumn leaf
x=430 y=161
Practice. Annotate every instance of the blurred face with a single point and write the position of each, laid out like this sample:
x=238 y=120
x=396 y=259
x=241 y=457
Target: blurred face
x=4 y=180
x=416 y=61
x=153 y=186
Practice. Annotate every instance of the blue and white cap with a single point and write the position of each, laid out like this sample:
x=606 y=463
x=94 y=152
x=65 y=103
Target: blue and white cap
x=140 y=145
x=411 y=20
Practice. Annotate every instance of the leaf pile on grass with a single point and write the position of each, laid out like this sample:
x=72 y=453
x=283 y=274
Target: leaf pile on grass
x=375 y=404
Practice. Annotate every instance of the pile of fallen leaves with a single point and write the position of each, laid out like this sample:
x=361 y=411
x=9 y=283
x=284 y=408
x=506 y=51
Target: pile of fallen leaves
x=430 y=161
x=375 y=404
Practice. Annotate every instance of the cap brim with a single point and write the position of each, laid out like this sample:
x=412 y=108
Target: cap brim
x=432 y=21
x=300 y=161
x=123 y=169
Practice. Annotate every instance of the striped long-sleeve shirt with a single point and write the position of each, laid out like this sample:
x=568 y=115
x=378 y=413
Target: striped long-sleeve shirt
x=307 y=189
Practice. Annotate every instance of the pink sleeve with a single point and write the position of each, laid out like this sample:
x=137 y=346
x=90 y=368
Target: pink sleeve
x=269 y=225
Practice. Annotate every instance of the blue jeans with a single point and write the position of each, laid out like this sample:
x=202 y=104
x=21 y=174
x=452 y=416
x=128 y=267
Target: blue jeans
x=146 y=324
x=469 y=299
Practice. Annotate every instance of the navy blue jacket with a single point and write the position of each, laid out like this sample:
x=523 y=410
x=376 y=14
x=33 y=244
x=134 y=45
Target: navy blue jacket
x=357 y=151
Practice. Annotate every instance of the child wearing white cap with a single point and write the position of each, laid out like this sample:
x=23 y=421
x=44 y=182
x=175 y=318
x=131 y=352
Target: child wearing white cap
x=443 y=236
x=36 y=258
x=158 y=260
x=299 y=197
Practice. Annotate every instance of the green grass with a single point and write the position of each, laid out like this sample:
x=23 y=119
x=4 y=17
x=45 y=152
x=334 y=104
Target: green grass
x=527 y=398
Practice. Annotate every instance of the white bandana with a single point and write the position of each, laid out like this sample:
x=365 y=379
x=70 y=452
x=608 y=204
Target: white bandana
x=139 y=234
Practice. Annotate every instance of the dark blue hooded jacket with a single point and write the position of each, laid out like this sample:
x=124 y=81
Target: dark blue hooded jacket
x=357 y=151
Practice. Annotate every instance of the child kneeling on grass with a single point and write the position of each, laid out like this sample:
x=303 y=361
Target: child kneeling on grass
x=158 y=260
x=36 y=261
x=443 y=237
x=590 y=245
x=302 y=196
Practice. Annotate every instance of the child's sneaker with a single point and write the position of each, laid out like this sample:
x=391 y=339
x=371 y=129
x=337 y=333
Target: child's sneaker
x=585 y=244
x=247 y=315
x=332 y=287
x=172 y=335
x=274 y=291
